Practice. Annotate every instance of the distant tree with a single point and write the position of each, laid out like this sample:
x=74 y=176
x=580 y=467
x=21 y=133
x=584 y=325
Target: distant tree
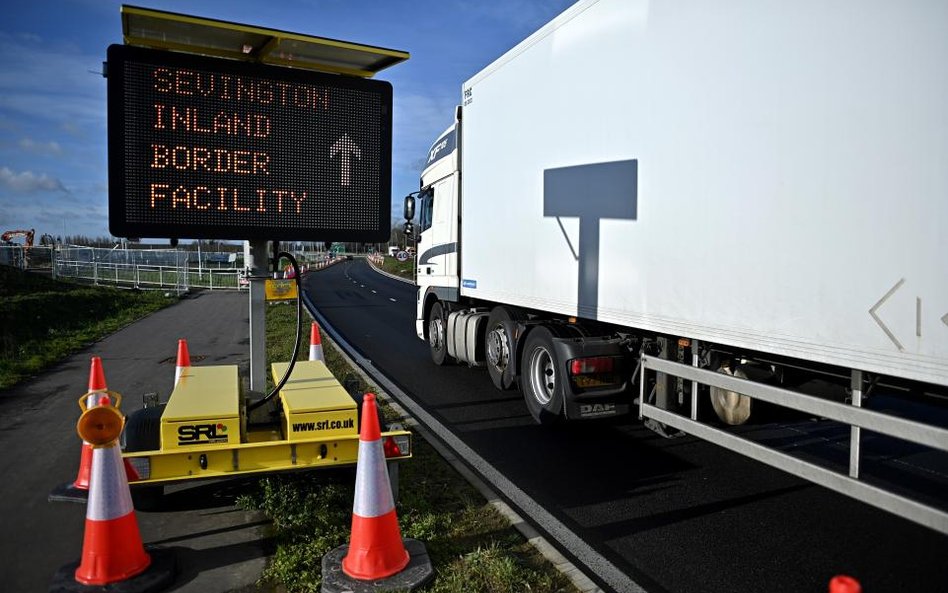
x=398 y=238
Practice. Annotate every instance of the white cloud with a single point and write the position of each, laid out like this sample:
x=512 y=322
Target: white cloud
x=43 y=148
x=27 y=182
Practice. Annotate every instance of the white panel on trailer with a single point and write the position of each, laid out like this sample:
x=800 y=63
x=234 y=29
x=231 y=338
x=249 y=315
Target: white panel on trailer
x=790 y=188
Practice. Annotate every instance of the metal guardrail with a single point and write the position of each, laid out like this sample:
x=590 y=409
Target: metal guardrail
x=130 y=268
x=149 y=276
x=853 y=415
x=159 y=269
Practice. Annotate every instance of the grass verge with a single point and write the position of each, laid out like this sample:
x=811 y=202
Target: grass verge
x=403 y=269
x=44 y=320
x=472 y=547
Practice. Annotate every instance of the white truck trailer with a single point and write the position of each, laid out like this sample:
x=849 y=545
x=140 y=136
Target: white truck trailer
x=712 y=191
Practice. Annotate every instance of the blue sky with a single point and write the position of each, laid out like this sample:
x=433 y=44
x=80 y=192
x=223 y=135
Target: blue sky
x=53 y=157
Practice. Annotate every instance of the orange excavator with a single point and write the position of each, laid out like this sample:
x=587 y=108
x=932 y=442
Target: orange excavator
x=27 y=236
x=20 y=257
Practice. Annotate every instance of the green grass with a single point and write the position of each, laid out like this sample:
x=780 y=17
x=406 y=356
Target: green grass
x=44 y=320
x=402 y=269
x=472 y=547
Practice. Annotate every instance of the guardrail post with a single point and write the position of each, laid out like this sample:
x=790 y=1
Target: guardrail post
x=161 y=277
x=695 y=344
x=855 y=383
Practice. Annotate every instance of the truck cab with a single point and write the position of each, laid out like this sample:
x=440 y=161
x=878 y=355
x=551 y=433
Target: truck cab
x=437 y=232
x=459 y=326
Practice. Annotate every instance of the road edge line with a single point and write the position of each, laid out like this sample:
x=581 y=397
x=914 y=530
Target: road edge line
x=446 y=444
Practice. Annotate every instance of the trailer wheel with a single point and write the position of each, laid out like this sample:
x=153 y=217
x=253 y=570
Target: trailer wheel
x=731 y=407
x=500 y=346
x=143 y=433
x=541 y=377
x=437 y=334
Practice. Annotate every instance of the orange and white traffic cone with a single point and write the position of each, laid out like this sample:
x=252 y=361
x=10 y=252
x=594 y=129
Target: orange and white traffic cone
x=112 y=548
x=376 y=552
x=184 y=361
x=78 y=490
x=315 y=343
x=844 y=584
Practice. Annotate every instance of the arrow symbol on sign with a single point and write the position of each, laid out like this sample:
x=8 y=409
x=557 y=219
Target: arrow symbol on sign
x=876 y=318
x=347 y=149
x=944 y=319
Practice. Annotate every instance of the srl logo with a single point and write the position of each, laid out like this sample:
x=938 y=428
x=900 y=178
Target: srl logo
x=194 y=434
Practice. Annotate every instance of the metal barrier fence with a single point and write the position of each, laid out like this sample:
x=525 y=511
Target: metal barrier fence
x=142 y=268
x=132 y=268
x=149 y=276
x=853 y=484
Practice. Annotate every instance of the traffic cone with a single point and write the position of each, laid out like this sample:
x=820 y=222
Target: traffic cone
x=315 y=343
x=376 y=550
x=844 y=584
x=78 y=490
x=112 y=548
x=184 y=361
x=377 y=559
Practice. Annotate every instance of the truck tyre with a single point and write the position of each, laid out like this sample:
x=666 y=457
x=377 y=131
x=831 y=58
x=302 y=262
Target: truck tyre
x=143 y=433
x=731 y=407
x=542 y=377
x=437 y=334
x=500 y=346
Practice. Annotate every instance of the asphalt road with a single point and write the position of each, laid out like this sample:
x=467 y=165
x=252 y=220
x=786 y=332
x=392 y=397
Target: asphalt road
x=220 y=548
x=674 y=515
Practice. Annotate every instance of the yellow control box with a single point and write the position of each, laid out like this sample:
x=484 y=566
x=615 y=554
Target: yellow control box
x=204 y=409
x=314 y=403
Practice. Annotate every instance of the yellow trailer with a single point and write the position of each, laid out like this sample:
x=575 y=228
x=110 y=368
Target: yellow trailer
x=202 y=431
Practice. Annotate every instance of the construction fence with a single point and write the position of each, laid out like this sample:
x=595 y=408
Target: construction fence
x=159 y=269
x=168 y=269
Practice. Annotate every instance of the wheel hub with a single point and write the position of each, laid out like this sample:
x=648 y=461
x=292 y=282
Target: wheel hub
x=542 y=375
x=436 y=333
x=498 y=349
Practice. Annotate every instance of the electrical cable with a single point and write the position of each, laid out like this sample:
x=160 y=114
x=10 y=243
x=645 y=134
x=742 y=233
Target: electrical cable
x=299 y=326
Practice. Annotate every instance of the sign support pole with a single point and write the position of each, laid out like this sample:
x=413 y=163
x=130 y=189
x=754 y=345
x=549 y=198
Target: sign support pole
x=255 y=258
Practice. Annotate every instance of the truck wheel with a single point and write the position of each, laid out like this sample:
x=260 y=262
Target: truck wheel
x=437 y=334
x=541 y=377
x=732 y=408
x=500 y=346
x=143 y=433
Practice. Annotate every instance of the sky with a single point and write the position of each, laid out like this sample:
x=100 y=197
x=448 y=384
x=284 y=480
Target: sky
x=53 y=150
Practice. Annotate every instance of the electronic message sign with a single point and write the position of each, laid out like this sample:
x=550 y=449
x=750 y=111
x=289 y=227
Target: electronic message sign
x=209 y=148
